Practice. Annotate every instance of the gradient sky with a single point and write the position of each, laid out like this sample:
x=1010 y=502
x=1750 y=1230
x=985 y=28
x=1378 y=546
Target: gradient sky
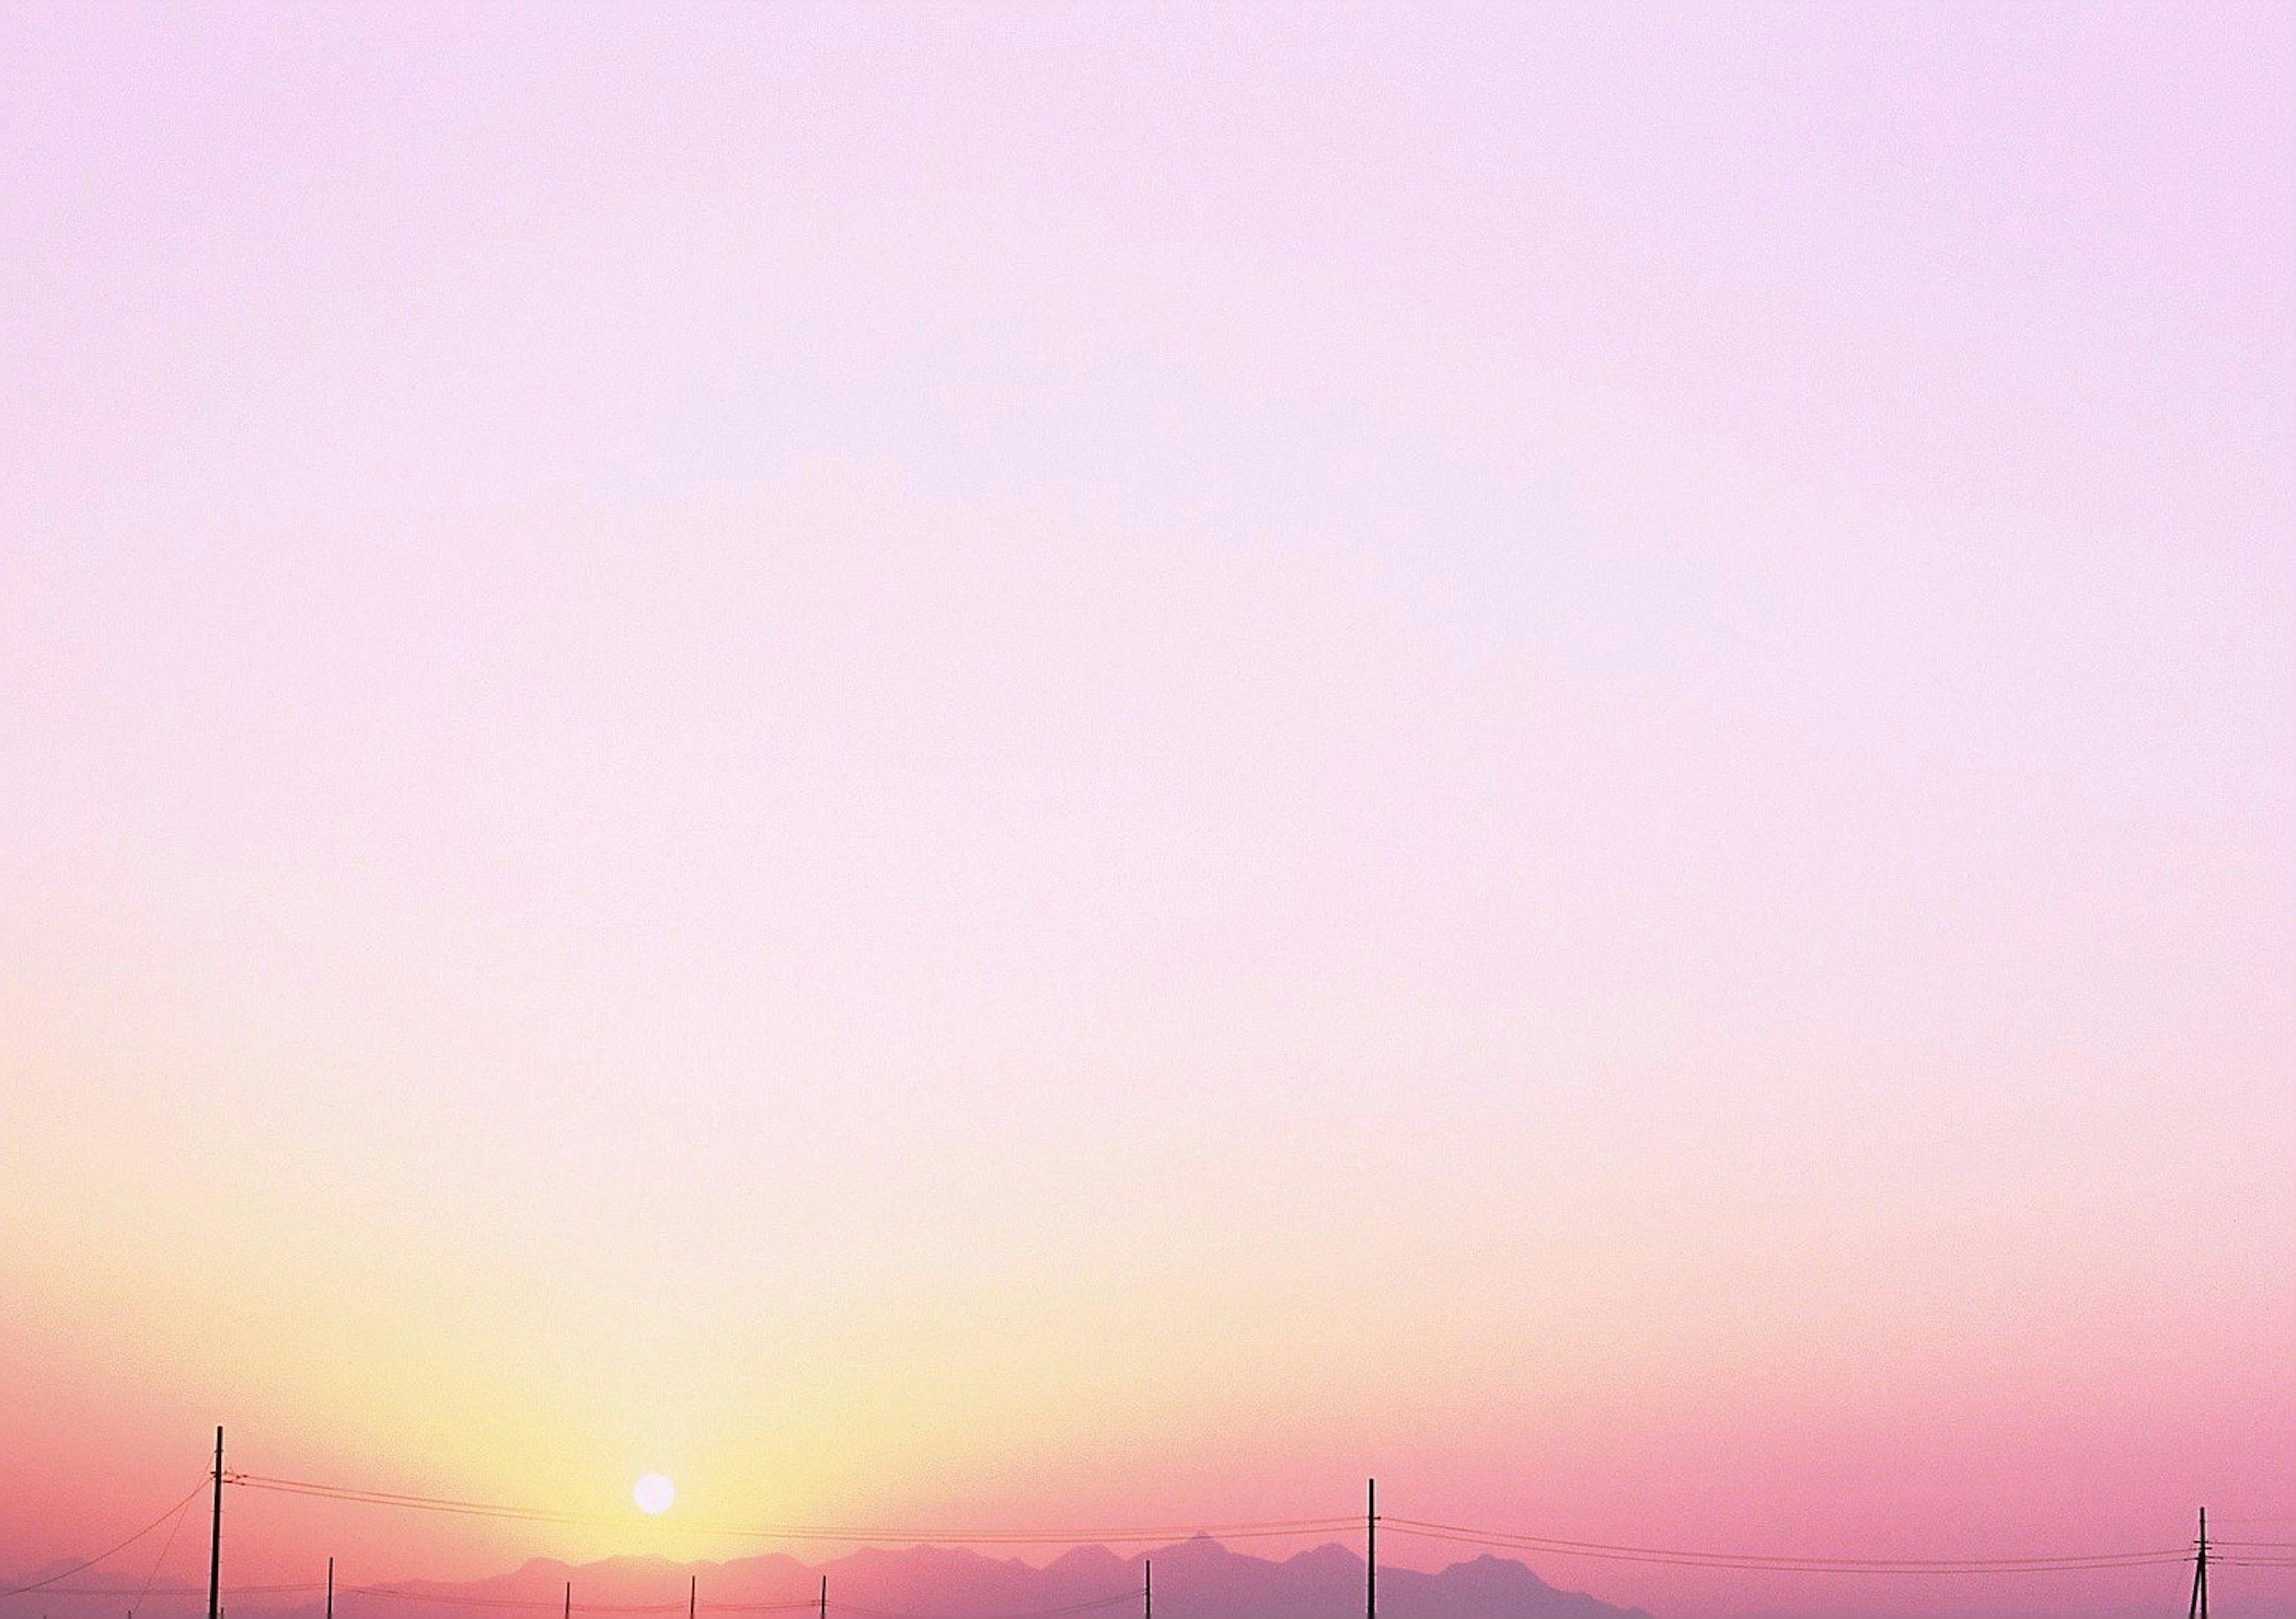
x=953 y=764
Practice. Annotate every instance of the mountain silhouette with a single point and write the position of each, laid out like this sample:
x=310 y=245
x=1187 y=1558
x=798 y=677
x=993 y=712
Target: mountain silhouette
x=1197 y=1578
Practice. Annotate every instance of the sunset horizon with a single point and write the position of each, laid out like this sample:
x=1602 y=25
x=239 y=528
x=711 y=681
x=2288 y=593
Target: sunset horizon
x=961 y=1572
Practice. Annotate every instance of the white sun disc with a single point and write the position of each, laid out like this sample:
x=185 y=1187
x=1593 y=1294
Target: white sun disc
x=654 y=1493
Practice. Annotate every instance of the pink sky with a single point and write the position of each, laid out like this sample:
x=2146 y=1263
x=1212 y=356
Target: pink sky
x=941 y=764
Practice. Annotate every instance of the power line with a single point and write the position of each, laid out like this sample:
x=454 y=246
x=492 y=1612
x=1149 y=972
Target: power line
x=1795 y=1563
x=173 y=1508
x=1785 y=1563
x=164 y=1547
x=1270 y=1527
x=445 y=1598
x=185 y=1590
x=2255 y=1554
x=1090 y=1606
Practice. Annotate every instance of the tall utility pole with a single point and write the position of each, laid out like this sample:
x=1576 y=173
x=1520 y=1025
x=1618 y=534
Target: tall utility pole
x=215 y=1539
x=1371 y=1549
x=570 y=1599
x=1147 y=1589
x=331 y=1588
x=2200 y=1608
x=824 y=1597
x=693 y=1584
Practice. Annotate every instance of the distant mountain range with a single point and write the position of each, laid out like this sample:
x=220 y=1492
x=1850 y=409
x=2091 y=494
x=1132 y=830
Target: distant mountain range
x=1195 y=1579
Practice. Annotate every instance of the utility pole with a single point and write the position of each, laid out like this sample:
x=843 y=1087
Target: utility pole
x=693 y=1584
x=1371 y=1549
x=331 y=1588
x=2200 y=1608
x=570 y=1599
x=215 y=1539
x=1147 y=1589
x=824 y=1597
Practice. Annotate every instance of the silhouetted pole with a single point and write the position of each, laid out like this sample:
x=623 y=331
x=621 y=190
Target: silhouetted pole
x=331 y=1588
x=1147 y=1589
x=693 y=1584
x=570 y=1599
x=1371 y=1549
x=215 y=1539
x=824 y=1597
x=2200 y=1608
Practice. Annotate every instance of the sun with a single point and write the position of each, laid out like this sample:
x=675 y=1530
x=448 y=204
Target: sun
x=653 y=1493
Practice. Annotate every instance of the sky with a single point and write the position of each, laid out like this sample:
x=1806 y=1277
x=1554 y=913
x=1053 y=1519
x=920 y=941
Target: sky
x=961 y=766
